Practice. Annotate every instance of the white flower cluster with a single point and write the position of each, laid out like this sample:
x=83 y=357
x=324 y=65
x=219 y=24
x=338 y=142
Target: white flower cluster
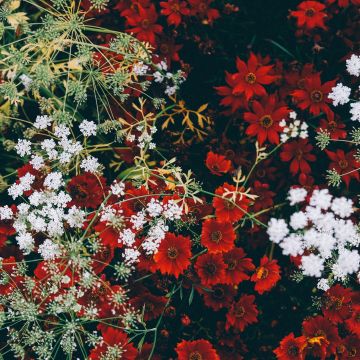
x=145 y=138
x=296 y=128
x=322 y=232
x=164 y=75
x=340 y=94
x=154 y=218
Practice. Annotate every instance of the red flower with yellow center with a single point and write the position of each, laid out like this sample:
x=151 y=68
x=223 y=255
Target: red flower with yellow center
x=242 y=313
x=196 y=350
x=266 y=275
x=265 y=118
x=314 y=95
x=173 y=256
x=217 y=236
x=310 y=15
x=251 y=77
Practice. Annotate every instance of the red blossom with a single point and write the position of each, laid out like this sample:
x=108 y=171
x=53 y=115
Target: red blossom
x=143 y=24
x=291 y=348
x=344 y=164
x=237 y=266
x=266 y=275
x=299 y=153
x=217 y=236
x=210 y=268
x=173 y=256
x=174 y=10
x=251 y=77
x=202 y=9
x=242 y=313
x=217 y=164
x=198 y=349
x=265 y=118
x=314 y=96
x=310 y=15
x=231 y=210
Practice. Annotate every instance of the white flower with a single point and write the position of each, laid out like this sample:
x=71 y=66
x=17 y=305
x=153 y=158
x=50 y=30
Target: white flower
x=118 y=188
x=170 y=90
x=323 y=284
x=347 y=263
x=277 y=230
x=42 y=122
x=296 y=195
x=298 y=220
x=140 y=68
x=75 y=217
x=321 y=199
x=62 y=131
x=90 y=164
x=292 y=245
x=54 y=181
x=127 y=237
x=355 y=111
x=312 y=265
x=37 y=162
x=25 y=242
x=88 y=128
x=353 y=65
x=23 y=147
x=48 y=250
x=6 y=213
x=26 y=81
x=342 y=207
x=340 y=94
x=131 y=255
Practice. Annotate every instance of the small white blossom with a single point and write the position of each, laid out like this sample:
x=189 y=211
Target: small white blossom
x=23 y=147
x=49 y=250
x=277 y=230
x=54 y=181
x=342 y=207
x=353 y=65
x=312 y=265
x=88 y=128
x=296 y=195
x=42 y=122
x=340 y=94
x=355 y=111
x=90 y=164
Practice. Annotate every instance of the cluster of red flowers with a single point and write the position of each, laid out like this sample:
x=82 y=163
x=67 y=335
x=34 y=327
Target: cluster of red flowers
x=333 y=333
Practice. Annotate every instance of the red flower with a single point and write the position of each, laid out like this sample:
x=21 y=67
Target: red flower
x=251 y=77
x=235 y=101
x=231 y=210
x=349 y=349
x=264 y=198
x=314 y=96
x=144 y=24
x=173 y=256
x=310 y=15
x=344 y=3
x=334 y=128
x=299 y=153
x=344 y=164
x=6 y=230
x=266 y=275
x=337 y=304
x=174 y=10
x=152 y=305
x=210 y=268
x=217 y=164
x=237 y=266
x=114 y=340
x=353 y=324
x=217 y=236
x=86 y=190
x=168 y=50
x=264 y=119
x=196 y=350
x=219 y=296
x=291 y=348
x=242 y=313
x=202 y=9
x=322 y=335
